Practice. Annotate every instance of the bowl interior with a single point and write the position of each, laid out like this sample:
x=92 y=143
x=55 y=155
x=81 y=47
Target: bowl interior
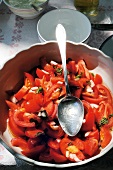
x=26 y=60
x=73 y=21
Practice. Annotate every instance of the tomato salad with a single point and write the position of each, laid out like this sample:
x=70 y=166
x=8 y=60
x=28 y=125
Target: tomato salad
x=33 y=119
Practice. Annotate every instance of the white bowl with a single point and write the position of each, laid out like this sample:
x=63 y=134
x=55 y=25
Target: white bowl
x=12 y=75
x=77 y=25
x=30 y=13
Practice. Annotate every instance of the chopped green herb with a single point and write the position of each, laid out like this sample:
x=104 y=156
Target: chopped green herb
x=88 y=82
x=59 y=70
x=92 y=74
x=70 y=143
x=79 y=75
x=103 y=121
x=111 y=115
x=39 y=90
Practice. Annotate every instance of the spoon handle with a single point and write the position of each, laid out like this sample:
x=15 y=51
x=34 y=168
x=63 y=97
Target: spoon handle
x=61 y=39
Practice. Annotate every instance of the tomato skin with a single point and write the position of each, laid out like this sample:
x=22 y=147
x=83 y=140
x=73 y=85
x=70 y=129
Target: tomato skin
x=54 y=80
x=102 y=89
x=77 y=92
x=97 y=79
x=11 y=105
x=78 y=143
x=21 y=123
x=32 y=142
x=33 y=152
x=82 y=69
x=31 y=106
x=29 y=81
x=21 y=93
x=15 y=129
x=94 y=100
x=72 y=67
x=45 y=156
x=93 y=134
x=90 y=146
x=19 y=142
x=49 y=107
x=54 y=114
x=89 y=120
x=58 y=158
x=54 y=144
x=50 y=91
x=33 y=132
x=64 y=144
x=105 y=136
x=41 y=73
x=55 y=133
x=78 y=83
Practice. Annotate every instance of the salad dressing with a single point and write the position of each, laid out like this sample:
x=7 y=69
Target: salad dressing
x=25 y=3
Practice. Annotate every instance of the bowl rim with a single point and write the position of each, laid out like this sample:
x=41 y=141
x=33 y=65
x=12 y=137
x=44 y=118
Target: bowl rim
x=23 y=9
x=47 y=42
x=64 y=9
x=64 y=165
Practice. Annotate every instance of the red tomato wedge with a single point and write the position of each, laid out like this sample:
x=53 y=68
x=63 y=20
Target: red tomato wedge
x=33 y=113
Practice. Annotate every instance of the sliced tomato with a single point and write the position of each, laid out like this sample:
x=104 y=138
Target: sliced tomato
x=91 y=146
x=49 y=107
x=57 y=157
x=94 y=100
x=70 y=151
x=105 y=136
x=55 y=133
x=82 y=69
x=89 y=120
x=78 y=143
x=21 y=93
x=98 y=79
x=11 y=105
x=93 y=134
x=45 y=156
x=17 y=118
x=33 y=132
x=105 y=92
x=39 y=98
x=14 y=128
x=31 y=106
x=19 y=142
x=77 y=92
x=56 y=79
x=38 y=82
x=29 y=81
x=54 y=114
x=40 y=73
x=54 y=143
x=48 y=93
x=32 y=142
x=71 y=66
x=33 y=152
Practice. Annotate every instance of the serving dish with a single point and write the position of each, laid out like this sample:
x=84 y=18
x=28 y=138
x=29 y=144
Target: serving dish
x=27 y=13
x=106 y=46
x=73 y=21
x=27 y=59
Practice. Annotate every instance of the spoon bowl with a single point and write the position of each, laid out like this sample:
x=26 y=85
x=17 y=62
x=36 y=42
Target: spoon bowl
x=70 y=109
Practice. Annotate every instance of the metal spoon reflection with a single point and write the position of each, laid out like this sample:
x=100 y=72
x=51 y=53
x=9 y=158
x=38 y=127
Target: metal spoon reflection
x=70 y=109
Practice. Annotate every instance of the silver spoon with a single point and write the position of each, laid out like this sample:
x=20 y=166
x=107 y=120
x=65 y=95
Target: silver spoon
x=70 y=108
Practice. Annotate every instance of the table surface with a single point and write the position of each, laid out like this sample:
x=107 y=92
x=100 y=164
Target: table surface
x=17 y=33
